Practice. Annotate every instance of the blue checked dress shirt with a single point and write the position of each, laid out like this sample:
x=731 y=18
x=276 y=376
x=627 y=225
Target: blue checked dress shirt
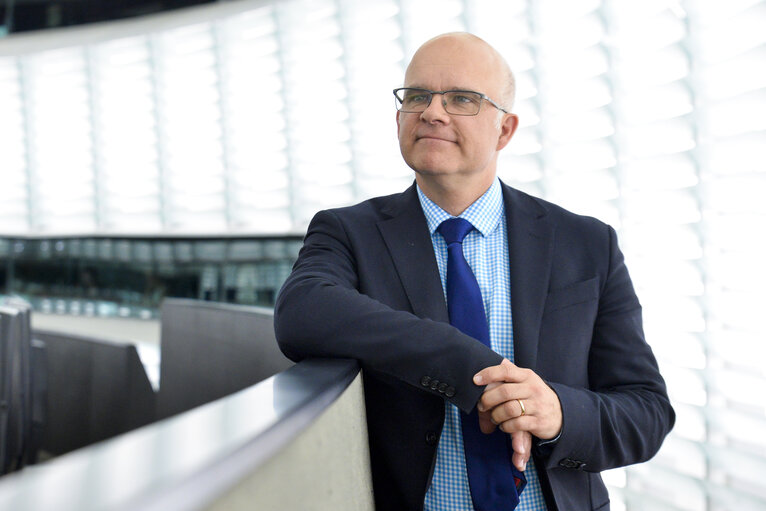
x=486 y=250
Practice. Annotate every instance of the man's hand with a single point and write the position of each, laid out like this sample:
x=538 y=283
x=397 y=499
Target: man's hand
x=520 y=440
x=499 y=405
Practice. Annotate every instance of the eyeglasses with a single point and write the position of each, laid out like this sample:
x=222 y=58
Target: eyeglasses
x=455 y=102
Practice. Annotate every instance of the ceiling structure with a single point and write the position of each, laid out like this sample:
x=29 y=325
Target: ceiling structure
x=26 y=15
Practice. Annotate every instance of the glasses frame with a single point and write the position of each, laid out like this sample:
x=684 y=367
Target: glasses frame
x=484 y=97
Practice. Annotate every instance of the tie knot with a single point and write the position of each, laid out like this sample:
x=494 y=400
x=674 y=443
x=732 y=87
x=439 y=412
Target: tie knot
x=454 y=230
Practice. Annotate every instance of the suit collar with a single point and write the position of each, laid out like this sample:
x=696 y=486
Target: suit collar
x=405 y=203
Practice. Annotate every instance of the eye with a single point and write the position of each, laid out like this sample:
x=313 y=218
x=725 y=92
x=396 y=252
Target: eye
x=463 y=99
x=416 y=97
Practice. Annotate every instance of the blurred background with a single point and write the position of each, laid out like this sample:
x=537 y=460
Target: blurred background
x=181 y=151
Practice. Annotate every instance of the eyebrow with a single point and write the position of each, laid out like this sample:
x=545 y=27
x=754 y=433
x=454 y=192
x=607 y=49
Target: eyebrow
x=467 y=89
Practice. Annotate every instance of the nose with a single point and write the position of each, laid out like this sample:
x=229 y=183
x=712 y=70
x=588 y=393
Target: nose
x=435 y=111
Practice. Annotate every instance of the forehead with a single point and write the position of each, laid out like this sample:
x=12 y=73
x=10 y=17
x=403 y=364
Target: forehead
x=445 y=65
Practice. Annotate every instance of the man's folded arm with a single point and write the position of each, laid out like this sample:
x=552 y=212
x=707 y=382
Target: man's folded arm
x=320 y=313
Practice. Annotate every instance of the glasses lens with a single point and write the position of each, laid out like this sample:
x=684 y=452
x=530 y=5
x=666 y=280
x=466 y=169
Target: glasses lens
x=455 y=102
x=462 y=103
x=413 y=100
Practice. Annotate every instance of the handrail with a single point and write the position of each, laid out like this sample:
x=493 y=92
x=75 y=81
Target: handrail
x=189 y=461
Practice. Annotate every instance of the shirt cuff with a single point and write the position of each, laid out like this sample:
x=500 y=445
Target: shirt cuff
x=550 y=441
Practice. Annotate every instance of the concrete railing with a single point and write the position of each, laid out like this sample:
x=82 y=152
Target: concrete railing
x=297 y=440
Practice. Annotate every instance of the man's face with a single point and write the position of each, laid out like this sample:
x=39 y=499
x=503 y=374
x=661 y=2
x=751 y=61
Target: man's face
x=435 y=143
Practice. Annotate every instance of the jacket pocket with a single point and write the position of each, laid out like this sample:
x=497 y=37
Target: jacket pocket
x=573 y=294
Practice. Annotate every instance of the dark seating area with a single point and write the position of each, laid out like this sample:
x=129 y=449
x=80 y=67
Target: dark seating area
x=96 y=390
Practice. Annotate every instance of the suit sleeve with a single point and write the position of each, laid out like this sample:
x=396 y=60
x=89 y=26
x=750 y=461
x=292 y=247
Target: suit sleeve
x=320 y=313
x=624 y=414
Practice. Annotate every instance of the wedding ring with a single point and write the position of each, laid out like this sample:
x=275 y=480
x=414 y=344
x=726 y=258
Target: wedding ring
x=523 y=409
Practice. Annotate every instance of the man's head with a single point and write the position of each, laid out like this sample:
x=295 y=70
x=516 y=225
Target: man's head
x=462 y=149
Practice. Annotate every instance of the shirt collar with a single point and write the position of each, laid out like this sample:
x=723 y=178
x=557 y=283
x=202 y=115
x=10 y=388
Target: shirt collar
x=484 y=214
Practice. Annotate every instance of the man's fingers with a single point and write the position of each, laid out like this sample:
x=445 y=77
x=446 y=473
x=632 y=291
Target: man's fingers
x=522 y=449
x=519 y=425
x=507 y=410
x=504 y=372
x=499 y=393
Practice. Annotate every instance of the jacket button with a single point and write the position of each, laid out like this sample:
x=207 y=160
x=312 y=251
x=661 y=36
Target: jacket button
x=431 y=438
x=450 y=392
x=434 y=384
x=443 y=387
x=425 y=381
x=570 y=463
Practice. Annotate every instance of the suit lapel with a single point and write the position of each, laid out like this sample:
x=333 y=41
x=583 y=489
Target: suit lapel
x=530 y=248
x=409 y=242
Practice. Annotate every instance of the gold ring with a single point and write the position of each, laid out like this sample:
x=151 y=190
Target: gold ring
x=523 y=409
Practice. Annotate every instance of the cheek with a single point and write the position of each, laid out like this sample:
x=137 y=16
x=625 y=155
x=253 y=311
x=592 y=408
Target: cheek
x=488 y=141
x=406 y=122
x=405 y=132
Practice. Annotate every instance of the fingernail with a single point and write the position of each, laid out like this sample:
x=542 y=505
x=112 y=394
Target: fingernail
x=524 y=466
x=478 y=379
x=480 y=407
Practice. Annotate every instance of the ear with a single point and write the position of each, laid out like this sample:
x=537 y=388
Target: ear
x=397 y=123
x=507 y=129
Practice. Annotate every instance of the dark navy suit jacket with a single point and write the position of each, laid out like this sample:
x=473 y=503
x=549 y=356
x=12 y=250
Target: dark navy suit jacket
x=366 y=286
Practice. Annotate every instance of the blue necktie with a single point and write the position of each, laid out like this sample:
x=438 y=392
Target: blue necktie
x=495 y=483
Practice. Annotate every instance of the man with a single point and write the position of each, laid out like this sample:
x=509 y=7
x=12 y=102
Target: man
x=563 y=369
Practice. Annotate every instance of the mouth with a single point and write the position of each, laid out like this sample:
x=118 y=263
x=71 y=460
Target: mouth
x=435 y=137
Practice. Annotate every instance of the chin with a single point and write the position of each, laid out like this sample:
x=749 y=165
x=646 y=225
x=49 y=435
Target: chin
x=431 y=167
x=431 y=171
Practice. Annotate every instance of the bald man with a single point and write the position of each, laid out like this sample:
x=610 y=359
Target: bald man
x=562 y=373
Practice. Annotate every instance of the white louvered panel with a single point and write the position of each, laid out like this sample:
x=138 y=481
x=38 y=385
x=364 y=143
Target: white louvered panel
x=190 y=133
x=126 y=136
x=654 y=488
x=425 y=19
x=574 y=95
x=730 y=85
x=14 y=201
x=659 y=204
x=373 y=34
x=316 y=111
x=60 y=141
x=254 y=122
